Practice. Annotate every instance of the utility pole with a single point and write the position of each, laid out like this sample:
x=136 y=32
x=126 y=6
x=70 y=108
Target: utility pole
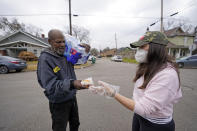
x=70 y=21
x=161 y=28
x=116 y=43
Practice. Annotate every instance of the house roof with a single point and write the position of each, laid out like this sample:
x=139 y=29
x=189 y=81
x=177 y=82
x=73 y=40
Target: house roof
x=177 y=31
x=43 y=41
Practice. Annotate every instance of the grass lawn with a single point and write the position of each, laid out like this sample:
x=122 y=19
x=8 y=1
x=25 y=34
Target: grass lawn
x=127 y=60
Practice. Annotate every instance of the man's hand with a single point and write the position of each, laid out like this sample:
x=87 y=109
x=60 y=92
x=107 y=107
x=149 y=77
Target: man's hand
x=77 y=85
x=87 y=47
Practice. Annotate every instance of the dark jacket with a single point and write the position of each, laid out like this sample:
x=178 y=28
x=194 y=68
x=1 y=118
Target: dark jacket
x=54 y=74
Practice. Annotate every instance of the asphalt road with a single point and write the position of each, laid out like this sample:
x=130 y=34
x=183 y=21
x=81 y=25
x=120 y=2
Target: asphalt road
x=23 y=106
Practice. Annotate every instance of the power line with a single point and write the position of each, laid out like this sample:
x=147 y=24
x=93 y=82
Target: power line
x=77 y=15
x=63 y=14
x=189 y=6
x=116 y=16
x=172 y=15
x=32 y=14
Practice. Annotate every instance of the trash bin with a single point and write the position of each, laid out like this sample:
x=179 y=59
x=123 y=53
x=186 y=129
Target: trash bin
x=93 y=60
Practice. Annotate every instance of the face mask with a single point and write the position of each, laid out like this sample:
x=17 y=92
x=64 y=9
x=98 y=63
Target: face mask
x=141 y=56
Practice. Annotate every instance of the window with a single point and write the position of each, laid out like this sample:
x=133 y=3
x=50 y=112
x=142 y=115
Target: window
x=35 y=51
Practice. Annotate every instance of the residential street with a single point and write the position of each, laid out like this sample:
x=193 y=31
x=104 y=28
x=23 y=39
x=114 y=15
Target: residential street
x=23 y=106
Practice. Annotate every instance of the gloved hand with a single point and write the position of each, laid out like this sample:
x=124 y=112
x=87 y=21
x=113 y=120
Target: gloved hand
x=97 y=90
x=110 y=90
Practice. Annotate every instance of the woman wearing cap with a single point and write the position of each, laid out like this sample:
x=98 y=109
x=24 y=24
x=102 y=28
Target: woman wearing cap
x=156 y=88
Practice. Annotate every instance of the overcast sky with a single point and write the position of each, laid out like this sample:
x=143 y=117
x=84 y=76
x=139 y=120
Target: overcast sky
x=103 y=18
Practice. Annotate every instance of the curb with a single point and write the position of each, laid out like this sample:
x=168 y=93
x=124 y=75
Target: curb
x=83 y=66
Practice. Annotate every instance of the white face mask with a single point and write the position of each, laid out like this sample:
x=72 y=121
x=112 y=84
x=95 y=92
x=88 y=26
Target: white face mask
x=141 y=56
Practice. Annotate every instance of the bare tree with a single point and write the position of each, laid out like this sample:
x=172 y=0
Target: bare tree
x=11 y=25
x=80 y=33
x=94 y=52
x=33 y=30
x=183 y=23
x=106 y=49
x=169 y=24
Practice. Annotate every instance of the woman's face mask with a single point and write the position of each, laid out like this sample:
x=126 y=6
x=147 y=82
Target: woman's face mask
x=141 y=55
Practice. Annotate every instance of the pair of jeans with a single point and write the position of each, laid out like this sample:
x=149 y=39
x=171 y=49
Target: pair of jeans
x=141 y=124
x=62 y=113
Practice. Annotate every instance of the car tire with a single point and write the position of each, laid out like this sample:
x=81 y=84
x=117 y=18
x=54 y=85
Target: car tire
x=181 y=65
x=4 y=69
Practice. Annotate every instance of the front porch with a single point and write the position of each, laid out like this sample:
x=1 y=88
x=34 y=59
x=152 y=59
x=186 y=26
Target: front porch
x=178 y=52
x=14 y=49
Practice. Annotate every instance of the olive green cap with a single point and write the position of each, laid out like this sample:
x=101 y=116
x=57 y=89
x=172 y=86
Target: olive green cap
x=156 y=37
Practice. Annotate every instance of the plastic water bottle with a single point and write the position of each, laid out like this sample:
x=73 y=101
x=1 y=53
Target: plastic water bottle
x=74 y=52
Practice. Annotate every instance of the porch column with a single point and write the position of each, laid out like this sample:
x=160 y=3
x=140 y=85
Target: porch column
x=169 y=51
x=179 y=54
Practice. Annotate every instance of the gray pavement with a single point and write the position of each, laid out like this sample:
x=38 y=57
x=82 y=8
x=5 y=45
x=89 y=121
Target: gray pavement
x=23 y=106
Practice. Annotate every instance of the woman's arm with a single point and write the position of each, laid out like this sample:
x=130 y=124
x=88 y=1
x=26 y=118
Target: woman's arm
x=128 y=103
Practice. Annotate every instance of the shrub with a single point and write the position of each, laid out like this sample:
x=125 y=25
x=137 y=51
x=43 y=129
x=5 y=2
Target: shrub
x=27 y=56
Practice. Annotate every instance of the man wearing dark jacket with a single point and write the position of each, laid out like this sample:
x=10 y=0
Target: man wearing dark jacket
x=56 y=75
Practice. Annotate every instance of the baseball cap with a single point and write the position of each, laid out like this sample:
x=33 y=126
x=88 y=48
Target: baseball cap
x=156 y=37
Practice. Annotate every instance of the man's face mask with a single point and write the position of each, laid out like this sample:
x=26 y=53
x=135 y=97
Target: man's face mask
x=141 y=55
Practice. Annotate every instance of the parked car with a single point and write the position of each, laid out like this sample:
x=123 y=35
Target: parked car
x=117 y=58
x=190 y=61
x=9 y=63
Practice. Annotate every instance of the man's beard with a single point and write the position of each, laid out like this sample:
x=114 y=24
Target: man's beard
x=59 y=51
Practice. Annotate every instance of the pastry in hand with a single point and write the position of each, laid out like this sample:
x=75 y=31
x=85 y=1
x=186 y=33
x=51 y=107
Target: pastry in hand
x=87 y=82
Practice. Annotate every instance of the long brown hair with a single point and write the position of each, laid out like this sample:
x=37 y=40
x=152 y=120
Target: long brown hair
x=157 y=59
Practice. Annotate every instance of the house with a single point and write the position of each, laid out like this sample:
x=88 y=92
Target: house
x=18 y=41
x=195 y=43
x=108 y=53
x=126 y=52
x=180 y=42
